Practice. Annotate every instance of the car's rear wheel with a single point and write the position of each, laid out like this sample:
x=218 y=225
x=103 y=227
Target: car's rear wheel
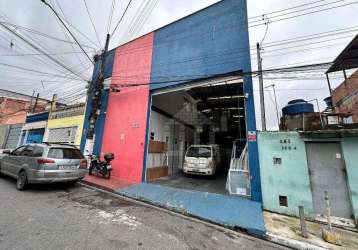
x=21 y=182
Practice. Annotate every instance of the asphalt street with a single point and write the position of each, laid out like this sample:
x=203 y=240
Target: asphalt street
x=65 y=217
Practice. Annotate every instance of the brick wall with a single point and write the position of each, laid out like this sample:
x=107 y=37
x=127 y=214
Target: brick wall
x=345 y=97
x=13 y=111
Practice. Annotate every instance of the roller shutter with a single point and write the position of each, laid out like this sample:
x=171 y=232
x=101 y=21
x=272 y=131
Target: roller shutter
x=64 y=135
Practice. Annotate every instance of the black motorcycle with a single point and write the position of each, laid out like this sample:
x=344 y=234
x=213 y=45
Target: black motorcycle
x=99 y=167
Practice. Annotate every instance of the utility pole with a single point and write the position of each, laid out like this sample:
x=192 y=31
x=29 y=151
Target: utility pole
x=277 y=113
x=32 y=99
x=261 y=87
x=35 y=105
x=97 y=90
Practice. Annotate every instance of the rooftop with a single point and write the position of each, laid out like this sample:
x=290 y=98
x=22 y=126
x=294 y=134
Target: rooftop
x=17 y=95
x=348 y=59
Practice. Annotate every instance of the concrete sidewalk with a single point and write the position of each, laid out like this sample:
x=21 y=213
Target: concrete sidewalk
x=286 y=230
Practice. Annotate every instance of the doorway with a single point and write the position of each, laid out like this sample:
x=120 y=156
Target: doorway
x=327 y=173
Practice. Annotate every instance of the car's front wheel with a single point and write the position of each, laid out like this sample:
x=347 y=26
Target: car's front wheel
x=21 y=182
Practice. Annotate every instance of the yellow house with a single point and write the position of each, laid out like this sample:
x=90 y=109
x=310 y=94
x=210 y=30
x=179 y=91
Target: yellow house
x=65 y=125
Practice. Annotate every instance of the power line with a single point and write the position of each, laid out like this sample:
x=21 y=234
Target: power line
x=66 y=35
x=282 y=10
x=304 y=14
x=312 y=36
x=17 y=45
x=40 y=50
x=69 y=31
x=297 y=11
x=296 y=69
x=32 y=31
x=41 y=54
x=110 y=16
x=71 y=25
x=34 y=71
x=120 y=20
x=94 y=27
x=307 y=44
x=141 y=18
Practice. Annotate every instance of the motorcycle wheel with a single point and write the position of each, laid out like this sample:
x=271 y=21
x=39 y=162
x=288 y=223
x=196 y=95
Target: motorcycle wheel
x=107 y=175
x=90 y=170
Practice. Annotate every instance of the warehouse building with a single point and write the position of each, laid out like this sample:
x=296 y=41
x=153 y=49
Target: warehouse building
x=181 y=85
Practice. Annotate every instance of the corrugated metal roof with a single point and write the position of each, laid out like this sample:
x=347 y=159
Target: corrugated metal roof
x=348 y=59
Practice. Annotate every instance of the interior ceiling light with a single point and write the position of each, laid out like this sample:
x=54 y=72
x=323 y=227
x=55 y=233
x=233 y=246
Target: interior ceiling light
x=225 y=97
x=232 y=108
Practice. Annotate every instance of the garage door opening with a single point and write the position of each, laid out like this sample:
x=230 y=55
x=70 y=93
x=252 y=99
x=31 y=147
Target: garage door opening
x=196 y=133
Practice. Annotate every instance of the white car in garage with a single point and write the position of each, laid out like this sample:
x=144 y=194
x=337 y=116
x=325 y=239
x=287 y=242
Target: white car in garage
x=202 y=160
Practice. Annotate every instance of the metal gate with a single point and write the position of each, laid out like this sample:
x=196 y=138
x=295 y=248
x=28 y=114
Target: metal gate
x=14 y=136
x=327 y=173
x=64 y=135
x=35 y=135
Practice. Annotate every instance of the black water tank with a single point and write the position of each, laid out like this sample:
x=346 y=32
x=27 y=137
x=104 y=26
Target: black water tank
x=328 y=101
x=297 y=106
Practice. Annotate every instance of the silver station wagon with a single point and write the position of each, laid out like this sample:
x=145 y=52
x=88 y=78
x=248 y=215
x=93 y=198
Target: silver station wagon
x=43 y=163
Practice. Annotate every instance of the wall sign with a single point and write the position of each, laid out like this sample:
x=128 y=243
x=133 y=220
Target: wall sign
x=251 y=136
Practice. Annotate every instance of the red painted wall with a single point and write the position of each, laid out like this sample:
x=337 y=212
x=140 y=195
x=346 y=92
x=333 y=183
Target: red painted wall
x=126 y=117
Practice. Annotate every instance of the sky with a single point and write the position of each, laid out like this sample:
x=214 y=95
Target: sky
x=35 y=15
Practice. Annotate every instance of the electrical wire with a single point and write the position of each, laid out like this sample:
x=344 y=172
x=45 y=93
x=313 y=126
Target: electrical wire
x=40 y=50
x=282 y=10
x=305 y=14
x=110 y=16
x=69 y=31
x=92 y=22
x=34 y=71
x=297 y=11
x=121 y=18
x=36 y=32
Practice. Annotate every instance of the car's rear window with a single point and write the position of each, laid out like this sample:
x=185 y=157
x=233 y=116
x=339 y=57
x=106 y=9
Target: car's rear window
x=204 y=152
x=64 y=153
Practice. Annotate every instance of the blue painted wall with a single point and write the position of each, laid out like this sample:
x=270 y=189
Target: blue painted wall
x=210 y=42
x=99 y=127
x=107 y=74
x=37 y=117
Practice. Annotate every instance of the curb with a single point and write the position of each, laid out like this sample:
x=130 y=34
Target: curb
x=292 y=243
x=88 y=183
